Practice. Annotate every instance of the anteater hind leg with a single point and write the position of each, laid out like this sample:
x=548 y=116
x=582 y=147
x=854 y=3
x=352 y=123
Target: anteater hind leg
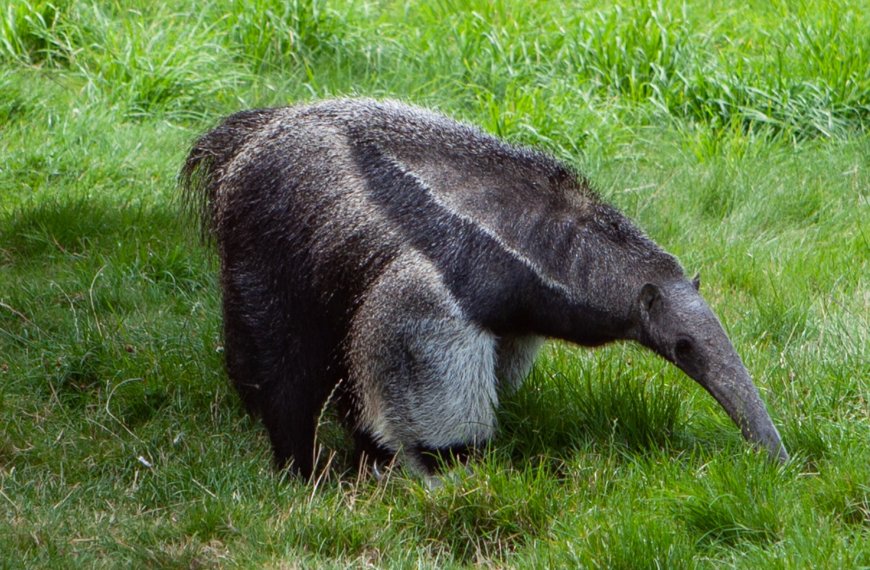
x=424 y=374
x=278 y=356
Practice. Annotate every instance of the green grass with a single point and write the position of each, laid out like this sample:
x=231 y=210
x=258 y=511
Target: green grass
x=735 y=133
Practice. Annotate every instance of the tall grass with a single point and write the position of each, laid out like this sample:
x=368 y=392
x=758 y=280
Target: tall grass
x=274 y=35
x=734 y=133
x=799 y=70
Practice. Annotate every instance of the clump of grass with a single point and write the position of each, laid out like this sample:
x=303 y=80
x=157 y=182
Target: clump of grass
x=648 y=53
x=842 y=478
x=77 y=375
x=606 y=397
x=735 y=502
x=169 y=64
x=276 y=35
x=637 y=52
x=629 y=541
x=27 y=31
x=166 y=62
x=484 y=514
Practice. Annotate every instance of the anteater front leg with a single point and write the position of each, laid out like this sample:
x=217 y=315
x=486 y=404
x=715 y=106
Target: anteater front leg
x=424 y=374
x=516 y=357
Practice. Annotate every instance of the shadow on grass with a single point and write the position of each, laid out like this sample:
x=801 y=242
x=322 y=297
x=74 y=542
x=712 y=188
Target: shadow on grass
x=80 y=227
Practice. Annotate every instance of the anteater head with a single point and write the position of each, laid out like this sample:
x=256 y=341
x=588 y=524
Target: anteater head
x=673 y=320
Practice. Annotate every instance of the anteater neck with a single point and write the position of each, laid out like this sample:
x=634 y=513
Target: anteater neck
x=582 y=289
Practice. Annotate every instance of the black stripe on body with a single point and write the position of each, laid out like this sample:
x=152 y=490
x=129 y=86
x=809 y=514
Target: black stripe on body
x=494 y=288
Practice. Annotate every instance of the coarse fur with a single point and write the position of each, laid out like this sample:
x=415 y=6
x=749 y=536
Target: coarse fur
x=418 y=263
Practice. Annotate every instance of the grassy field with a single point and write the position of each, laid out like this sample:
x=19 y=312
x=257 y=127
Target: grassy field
x=735 y=133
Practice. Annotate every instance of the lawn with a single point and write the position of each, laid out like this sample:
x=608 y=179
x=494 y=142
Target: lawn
x=736 y=134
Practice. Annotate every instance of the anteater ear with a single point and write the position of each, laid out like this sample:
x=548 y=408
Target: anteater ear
x=696 y=281
x=650 y=298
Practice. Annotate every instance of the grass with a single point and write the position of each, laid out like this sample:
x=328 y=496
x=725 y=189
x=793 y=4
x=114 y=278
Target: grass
x=735 y=134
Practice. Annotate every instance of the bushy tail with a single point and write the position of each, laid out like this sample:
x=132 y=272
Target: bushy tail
x=204 y=170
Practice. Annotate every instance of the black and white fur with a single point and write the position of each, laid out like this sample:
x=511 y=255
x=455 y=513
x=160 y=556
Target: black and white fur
x=419 y=263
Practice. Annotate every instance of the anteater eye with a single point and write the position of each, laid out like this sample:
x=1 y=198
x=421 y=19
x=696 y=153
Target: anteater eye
x=683 y=348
